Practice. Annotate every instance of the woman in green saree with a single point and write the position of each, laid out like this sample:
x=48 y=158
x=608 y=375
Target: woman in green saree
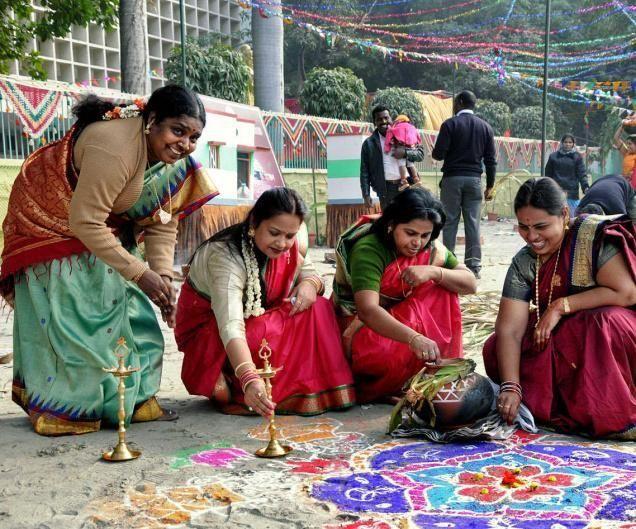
x=71 y=266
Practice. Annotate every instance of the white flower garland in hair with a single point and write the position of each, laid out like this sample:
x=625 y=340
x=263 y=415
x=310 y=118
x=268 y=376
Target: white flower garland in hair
x=253 y=298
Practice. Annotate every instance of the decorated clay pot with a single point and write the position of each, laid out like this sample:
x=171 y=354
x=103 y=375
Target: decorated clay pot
x=460 y=402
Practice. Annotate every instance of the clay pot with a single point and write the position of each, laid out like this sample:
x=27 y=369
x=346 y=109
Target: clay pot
x=461 y=402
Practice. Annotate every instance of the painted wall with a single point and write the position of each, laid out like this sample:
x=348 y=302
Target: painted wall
x=9 y=169
x=302 y=181
x=237 y=128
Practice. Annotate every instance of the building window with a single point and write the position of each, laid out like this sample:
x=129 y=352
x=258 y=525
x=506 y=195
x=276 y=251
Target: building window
x=215 y=153
x=243 y=169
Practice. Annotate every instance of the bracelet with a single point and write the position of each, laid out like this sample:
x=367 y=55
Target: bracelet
x=247 y=378
x=441 y=275
x=566 y=305
x=249 y=382
x=413 y=337
x=315 y=282
x=243 y=364
x=512 y=387
x=137 y=276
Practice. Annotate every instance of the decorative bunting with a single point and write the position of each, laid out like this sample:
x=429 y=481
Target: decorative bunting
x=36 y=107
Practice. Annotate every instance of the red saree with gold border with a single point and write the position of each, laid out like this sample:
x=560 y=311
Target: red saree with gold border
x=583 y=380
x=315 y=377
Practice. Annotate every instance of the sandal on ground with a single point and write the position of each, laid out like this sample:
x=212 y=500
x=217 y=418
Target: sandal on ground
x=150 y=410
x=168 y=415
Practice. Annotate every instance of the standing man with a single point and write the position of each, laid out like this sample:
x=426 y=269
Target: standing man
x=380 y=170
x=465 y=142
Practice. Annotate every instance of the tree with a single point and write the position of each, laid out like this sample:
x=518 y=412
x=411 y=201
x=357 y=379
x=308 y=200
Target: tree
x=267 y=43
x=212 y=69
x=18 y=27
x=526 y=123
x=400 y=101
x=496 y=113
x=133 y=38
x=336 y=93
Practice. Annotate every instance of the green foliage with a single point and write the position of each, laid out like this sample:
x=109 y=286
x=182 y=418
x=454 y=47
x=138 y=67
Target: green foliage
x=400 y=101
x=526 y=123
x=17 y=32
x=496 y=113
x=336 y=93
x=212 y=69
x=608 y=129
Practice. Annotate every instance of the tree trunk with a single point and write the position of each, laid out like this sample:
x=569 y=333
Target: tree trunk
x=301 y=69
x=133 y=38
x=267 y=42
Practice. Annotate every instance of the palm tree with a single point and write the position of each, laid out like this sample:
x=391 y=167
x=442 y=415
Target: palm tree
x=267 y=42
x=133 y=37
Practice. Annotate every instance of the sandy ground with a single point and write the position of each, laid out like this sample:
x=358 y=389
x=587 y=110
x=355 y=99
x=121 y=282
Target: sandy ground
x=62 y=483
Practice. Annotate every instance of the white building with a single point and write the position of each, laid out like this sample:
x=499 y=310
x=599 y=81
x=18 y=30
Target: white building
x=90 y=55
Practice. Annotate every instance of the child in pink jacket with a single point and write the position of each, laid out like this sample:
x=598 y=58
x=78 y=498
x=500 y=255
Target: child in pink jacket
x=402 y=133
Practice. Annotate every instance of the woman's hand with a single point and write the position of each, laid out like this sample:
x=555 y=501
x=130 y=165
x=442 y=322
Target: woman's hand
x=302 y=297
x=508 y=404
x=425 y=349
x=418 y=274
x=547 y=323
x=160 y=291
x=256 y=399
x=170 y=316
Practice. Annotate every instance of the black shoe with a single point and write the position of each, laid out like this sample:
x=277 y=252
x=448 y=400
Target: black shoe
x=476 y=273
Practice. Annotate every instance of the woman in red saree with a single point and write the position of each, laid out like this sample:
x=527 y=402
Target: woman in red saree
x=255 y=281
x=396 y=293
x=565 y=338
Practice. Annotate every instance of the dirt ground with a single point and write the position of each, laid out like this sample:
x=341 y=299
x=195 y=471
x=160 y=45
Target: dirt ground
x=61 y=483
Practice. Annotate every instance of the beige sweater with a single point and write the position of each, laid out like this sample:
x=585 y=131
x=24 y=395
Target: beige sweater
x=219 y=272
x=111 y=158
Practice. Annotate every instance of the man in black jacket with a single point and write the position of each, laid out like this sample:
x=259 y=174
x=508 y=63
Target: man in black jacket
x=379 y=170
x=465 y=142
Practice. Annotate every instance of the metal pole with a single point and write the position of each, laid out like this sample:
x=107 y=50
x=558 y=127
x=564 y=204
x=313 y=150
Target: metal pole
x=544 y=113
x=182 y=19
x=313 y=185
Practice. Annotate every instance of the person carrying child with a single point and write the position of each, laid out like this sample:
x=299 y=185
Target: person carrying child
x=403 y=133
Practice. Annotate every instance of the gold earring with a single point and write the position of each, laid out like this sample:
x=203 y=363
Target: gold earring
x=147 y=129
x=251 y=233
x=389 y=230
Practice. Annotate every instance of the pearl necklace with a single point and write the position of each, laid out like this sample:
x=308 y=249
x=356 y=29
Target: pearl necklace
x=535 y=306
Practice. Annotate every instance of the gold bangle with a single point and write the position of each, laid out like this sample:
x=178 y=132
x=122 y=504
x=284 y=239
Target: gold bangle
x=566 y=305
x=441 y=275
x=413 y=338
x=138 y=276
x=315 y=282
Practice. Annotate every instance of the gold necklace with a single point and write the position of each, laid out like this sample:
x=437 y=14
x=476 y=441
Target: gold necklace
x=535 y=307
x=405 y=294
x=164 y=216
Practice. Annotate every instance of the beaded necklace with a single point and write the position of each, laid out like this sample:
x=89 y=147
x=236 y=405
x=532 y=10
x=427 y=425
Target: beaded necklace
x=535 y=306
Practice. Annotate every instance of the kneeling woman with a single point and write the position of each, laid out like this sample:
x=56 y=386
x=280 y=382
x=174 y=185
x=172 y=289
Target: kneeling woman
x=252 y=281
x=396 y=292
x=565 y=338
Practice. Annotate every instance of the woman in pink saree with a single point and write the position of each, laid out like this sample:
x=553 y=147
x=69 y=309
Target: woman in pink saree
x=565 y=338
x=255 y=281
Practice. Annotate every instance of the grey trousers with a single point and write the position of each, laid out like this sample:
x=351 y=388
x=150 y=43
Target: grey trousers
x=461 y=196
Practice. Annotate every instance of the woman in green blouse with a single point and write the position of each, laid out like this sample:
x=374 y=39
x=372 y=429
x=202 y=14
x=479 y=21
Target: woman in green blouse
x=396 y=294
